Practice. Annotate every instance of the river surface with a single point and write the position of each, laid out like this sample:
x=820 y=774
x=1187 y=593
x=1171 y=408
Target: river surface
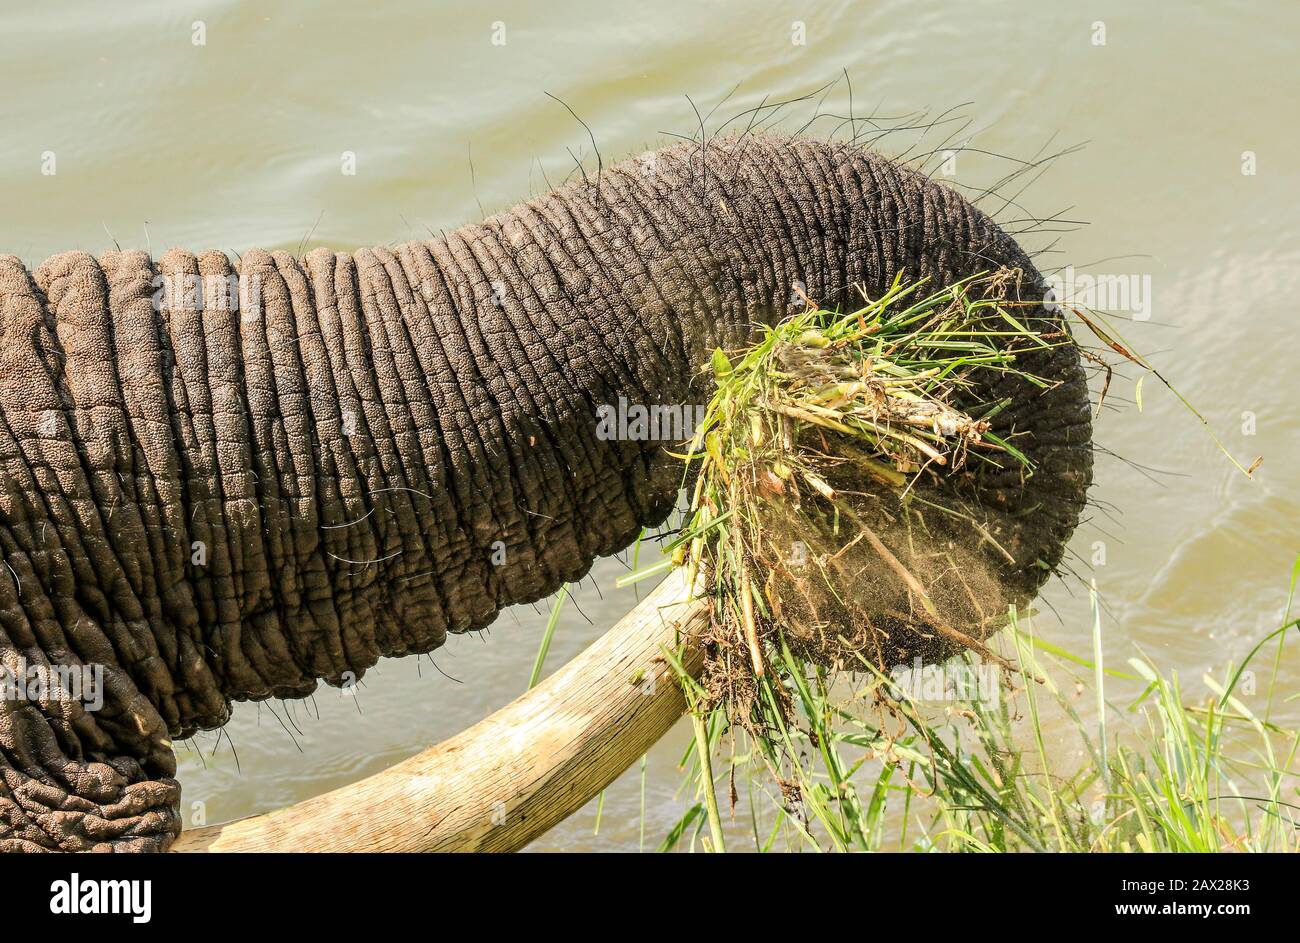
x=229 y=125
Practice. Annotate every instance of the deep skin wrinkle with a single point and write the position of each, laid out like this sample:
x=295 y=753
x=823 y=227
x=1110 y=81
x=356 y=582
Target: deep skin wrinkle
x=396 y=443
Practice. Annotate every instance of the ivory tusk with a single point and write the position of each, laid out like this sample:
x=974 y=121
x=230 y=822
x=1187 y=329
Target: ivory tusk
x=509 y=778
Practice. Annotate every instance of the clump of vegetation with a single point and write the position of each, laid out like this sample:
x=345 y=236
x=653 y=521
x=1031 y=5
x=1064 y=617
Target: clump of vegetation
x=806 y=522
x=827 y=529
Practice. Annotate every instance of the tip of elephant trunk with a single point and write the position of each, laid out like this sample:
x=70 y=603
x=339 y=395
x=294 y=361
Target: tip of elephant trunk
x=838 y=515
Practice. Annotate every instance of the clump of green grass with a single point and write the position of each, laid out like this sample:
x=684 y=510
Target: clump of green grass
x=826 y=447
x=805 y=500
x=809 y=454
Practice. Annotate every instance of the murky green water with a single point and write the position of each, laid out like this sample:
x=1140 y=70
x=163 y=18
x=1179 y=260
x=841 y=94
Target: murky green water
x=157 y=141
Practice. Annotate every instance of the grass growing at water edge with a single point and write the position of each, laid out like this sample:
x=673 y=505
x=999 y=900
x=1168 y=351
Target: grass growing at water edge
x=976 y=774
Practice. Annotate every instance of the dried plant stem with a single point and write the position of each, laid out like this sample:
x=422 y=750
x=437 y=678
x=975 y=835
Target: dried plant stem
x=751 y=626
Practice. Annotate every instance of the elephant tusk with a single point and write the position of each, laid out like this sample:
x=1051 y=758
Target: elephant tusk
x=509 y=778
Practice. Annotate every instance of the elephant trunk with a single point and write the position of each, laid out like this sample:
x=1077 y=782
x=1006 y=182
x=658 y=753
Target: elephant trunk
x=226 y=482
